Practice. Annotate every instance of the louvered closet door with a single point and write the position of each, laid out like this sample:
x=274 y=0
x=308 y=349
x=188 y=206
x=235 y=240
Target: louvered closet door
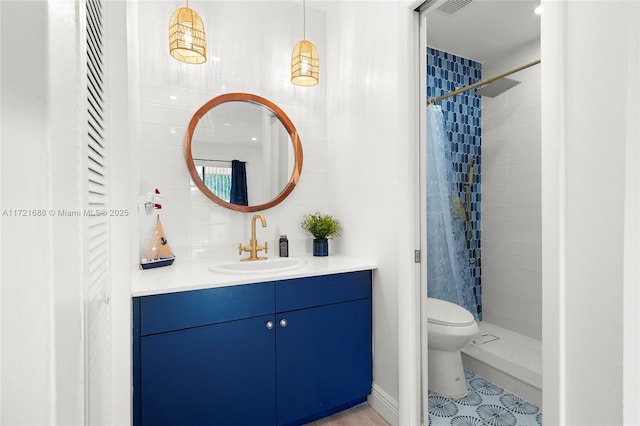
x=97 y=290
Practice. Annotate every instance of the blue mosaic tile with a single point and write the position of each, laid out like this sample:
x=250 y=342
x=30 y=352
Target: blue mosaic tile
x=445 y=73
x=484 y=404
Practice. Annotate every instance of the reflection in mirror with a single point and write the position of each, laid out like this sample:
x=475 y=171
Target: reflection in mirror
x=243 y=152
x=248 y=133
x=216 y=175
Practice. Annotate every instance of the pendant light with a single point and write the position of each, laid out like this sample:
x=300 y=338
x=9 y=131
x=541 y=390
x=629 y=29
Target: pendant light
x=187 y=42
x=305 y=64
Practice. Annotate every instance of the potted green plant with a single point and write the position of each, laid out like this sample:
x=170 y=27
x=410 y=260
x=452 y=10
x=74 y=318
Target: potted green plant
x=323 y=227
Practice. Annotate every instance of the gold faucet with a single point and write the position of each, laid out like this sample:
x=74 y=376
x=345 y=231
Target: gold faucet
x=253 y=248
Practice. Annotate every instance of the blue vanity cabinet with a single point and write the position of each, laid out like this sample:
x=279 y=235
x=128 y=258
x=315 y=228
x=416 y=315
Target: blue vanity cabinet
x=278 y=353
x=205 y=357
x=220 y=374
x=323 y=345
x=323 y=361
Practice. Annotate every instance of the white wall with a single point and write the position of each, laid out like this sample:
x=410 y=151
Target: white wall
x=253 y=41
x=371 y=139
x=511 y=212
x=631 y=290
x=589 y=217
x=120 y=198
x=41 y=257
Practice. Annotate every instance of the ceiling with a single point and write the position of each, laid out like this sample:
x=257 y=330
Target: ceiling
x=483 y=29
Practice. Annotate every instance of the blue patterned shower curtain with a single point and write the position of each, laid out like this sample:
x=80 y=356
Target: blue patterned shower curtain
x=448 y=272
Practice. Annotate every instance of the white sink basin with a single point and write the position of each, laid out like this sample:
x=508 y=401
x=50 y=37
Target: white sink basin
x=278 y=264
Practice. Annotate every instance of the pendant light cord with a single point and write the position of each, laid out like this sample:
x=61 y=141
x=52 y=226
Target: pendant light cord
x=304 y=20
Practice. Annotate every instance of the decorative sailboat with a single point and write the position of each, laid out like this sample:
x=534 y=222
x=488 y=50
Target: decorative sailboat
x=158 y=251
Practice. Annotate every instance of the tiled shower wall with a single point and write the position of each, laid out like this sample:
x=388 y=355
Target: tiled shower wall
x=462 y=114
x=511 y=209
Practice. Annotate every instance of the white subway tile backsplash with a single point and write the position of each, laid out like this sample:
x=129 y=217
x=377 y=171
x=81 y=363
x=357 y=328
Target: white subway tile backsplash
x=511 y=204
x=518 y=196
x=492 y=209
x=493 y=233
x=495 y=291
x=526 y=103
x=491 y=174
x=531 y=185
x=519 y=131
x=499 y=249
x=200 y=215
x=152 y=175
x=197 y=98
x=495 y=117
x=525 y=249
x=197 y=197
x=494 y=266
x=154 y=135
x=522 y=266
x=532 y=208
x=494 y=155
x=524 y=170
x=524 y=116
x=497 y=129
x=515 y=223
x=494 y=198
x=530 y=155
x=524 y=143
x=313 y=189
x=315 y=156
x=164 y=95
x=525 y=236
x=166 y=114
x=162 y=154
x=493 y=223
x=498 y=185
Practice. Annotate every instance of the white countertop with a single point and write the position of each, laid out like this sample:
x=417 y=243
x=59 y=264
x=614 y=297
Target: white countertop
x=195 y=275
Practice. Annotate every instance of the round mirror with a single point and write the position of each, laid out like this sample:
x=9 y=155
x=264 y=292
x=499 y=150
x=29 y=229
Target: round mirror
x=243 y=152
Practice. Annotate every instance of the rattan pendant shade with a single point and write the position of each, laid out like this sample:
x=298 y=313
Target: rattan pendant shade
x=187 y=42
x=305 y=64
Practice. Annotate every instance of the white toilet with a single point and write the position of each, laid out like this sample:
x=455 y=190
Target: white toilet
x=449 y=328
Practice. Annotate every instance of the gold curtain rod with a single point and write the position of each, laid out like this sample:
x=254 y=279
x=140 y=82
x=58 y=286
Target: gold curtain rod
x=482 y=83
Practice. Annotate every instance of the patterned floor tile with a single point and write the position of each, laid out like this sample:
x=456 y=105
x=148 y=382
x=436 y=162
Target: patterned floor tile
x=486 y=404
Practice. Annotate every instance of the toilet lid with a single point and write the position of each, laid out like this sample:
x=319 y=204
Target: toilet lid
x=447 y=313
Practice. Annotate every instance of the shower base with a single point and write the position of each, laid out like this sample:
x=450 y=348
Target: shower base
x=508 y=359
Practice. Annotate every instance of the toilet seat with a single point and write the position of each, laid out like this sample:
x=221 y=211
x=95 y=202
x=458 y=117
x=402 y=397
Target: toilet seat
x=446 y=313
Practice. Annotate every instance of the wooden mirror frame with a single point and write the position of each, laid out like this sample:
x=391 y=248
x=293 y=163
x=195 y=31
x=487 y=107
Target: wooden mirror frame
x=286 y=122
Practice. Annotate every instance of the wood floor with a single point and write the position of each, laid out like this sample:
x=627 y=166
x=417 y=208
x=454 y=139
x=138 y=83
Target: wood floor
x=360 y=415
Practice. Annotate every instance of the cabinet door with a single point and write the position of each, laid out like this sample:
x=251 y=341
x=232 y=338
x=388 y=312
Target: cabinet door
x=323 y=359
x=220 y=374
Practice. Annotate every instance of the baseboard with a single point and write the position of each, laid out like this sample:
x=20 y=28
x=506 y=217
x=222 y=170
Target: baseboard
x=384 y=405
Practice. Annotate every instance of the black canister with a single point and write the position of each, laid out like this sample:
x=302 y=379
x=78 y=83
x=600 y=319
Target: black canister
x=284 y=246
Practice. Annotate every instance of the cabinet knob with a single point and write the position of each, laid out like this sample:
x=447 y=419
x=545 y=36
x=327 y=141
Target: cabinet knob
x=269 y=325
x=283 y=322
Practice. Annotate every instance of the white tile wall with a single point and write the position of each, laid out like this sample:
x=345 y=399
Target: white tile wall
x=511 y=218
x=253 y=41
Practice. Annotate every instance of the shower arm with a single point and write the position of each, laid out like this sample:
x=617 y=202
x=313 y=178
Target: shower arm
x=482 y=83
